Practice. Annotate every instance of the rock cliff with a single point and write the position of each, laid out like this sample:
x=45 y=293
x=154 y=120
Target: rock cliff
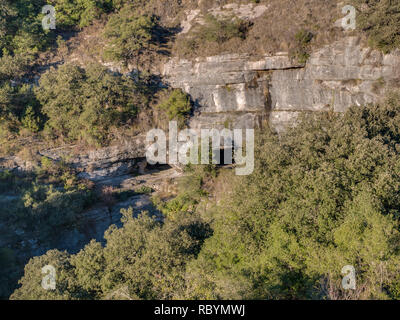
x=239 y=91
x=229 y=90
x=236 y=91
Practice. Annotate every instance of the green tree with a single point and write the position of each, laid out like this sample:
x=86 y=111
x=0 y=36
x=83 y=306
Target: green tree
x=81 y=13
x=149 y=258
x=7 y=12
x=128 y=35
x=145 y=259
x=323 y=196
x=84 y=104
x=380 y=19
x=31 y=282
x=177 y=106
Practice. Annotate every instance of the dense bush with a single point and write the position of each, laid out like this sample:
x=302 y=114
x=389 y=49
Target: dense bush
x=40 y=207
x=380 y=19
x=33 y=277
x=128 y=34
x=21 y=27
x=177 y=106
x=222 y=29
x=143 y=260
x=323 y=196
x=21 y=38
x=214 y=31
x=301 y=50
x=34 y=209
x=84 y=104
x=191 y=190
x=21 y=30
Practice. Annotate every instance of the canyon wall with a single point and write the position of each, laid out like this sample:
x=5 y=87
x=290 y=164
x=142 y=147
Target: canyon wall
x=240 y=91
x=229 y=90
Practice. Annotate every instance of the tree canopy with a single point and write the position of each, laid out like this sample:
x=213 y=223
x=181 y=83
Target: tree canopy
x=323 y=196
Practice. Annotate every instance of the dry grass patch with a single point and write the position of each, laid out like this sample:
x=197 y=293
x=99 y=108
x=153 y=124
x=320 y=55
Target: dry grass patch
x=272 y=32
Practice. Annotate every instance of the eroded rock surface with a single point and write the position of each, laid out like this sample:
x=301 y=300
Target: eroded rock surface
x=236 y=91
x=96 y=165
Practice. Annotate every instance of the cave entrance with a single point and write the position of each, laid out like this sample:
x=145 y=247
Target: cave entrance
x=226 y=156
x=143 y=167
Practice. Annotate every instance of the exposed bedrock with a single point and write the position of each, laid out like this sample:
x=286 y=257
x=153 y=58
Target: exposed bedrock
x=237 y=91
x=96 y=165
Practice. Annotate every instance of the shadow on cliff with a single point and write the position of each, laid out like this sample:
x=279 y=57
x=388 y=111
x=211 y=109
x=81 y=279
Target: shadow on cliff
x=163 y=37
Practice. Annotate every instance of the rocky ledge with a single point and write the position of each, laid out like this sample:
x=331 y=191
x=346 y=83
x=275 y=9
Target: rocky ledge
x=237 y=91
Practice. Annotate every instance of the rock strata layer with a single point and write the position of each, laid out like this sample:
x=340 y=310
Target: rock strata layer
x=233 y=90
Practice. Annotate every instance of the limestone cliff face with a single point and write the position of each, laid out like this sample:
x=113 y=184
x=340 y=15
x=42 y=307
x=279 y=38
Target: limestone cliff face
x=227 y=90
x=234 y=91
x=237 y=91
x=97 y=165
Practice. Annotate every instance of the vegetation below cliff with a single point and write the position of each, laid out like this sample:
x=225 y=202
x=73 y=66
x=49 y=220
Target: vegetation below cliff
x=323 y=195
x=133 y=36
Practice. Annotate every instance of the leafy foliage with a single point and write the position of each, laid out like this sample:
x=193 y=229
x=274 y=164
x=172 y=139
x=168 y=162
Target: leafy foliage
x=79 y=12
x=177 y=106
x=214 y=31
x=43 y=207
x=144 y=259
x=21 y=27
x=221 y=30
x=128 y=34
x=302 y=46
x=380 y=19
x=31 y=208
x=84 y=104
x=324 y=196
x=9 y=272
